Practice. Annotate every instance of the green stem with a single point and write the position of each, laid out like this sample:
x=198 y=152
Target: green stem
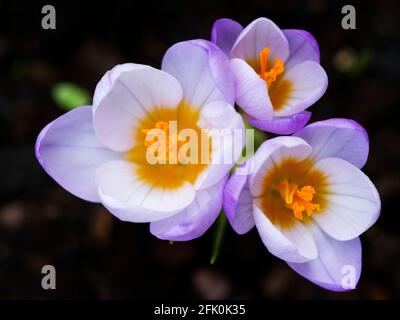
x=218 y=236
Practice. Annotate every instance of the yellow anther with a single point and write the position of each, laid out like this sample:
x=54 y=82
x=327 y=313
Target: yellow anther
x=271 y=75
x=298 y=200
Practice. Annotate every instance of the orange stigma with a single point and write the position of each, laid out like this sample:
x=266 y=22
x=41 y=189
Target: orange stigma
x=298 y=200
x=271 y=75
x=153 y=134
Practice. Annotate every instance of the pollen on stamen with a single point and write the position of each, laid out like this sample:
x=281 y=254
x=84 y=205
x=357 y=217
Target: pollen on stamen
x=277 y=69
x=298 y=200
x=151 y=138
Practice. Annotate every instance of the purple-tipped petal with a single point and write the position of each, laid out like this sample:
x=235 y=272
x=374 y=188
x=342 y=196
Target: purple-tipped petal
x=339 y=138
x=224 y=34
x=203 y=71
x=69 y=151
x=196 y=219
x=251 y=91
x=238 y=202
x=303 y=47
x=108 y=80
x=281 y=125
x=338 y=266
x=220 y=69
x=261 y=33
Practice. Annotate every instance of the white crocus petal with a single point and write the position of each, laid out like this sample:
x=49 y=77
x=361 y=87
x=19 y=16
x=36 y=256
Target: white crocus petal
x=339 y=138
x=308 y=82
x=352 y=201
x=261 y=33
x=126 y=195
x=251 y=91
x=107 y=81
x=227 y=141
x=270 y=154
x=190 y=63
x=338 y=266
x=238 y=202
x=194 y=220
x=69 y=151
x=303 y=47
x=292 y=245
x=134 y=94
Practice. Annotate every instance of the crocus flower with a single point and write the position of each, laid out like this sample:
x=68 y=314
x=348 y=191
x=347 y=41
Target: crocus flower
x=309 y=200
x=98 y=152
x=277 y=72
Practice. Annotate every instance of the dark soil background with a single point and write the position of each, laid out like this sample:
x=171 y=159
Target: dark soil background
x=98 y=256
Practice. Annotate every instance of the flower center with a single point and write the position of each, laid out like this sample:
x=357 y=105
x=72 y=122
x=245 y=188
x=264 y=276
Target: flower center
x=298 y=200
x=271 y=75
x=161 y=140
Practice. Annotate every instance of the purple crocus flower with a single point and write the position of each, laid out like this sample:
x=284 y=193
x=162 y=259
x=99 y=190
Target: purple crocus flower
x=98 y=152
x=277 y=72
x=309 y=200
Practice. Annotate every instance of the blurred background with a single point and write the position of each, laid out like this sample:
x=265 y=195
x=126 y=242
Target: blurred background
x=98 y=256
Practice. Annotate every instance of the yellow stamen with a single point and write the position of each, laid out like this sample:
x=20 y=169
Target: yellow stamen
x=298 y=200
x=152 y=138
x=271 y=75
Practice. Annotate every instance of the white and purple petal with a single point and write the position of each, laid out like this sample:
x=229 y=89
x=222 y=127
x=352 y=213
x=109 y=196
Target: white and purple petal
x=302 y=45
x=338 y=266
x=259 y=34
x=352 y=201
x=251 y=91
x=226 y=128
x=308 y=82
x=339 y=138
x=70 y=152
x=224 y=34
x=194 y=220
x=281 y=125
x=294 y=244
x=130 y=198
x=238 y=202
x=203 y=71
x=107 y=81
x=134 y=94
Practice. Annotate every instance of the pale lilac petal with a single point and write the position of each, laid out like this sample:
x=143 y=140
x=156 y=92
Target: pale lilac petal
x=134 y=94
x=129 y=198
x=339 y=138
x=251 y=91
x=224 y=34
x=226 y=128
x=261 y=33
x=69 y=151
x=309 y=82
x=270 y=154
x=294 y=244
x=107 y=81
x=238 y=202
x=281 y=125
x=203 y=71
x=352 y=201
x=338 y=266
x=196 y=219
x=302 y=45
